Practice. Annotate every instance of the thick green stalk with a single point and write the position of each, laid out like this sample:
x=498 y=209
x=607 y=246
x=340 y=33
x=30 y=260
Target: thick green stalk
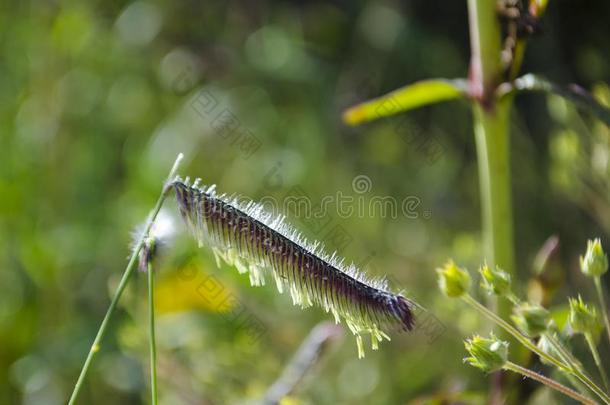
x=151 y=331
x=548 y=382
x=131 y=265
x=492 y=141
x=491 y=133
x=485 y=46
x=493 y=150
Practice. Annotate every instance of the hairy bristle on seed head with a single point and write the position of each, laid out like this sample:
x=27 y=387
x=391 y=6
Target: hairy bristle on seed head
x=255 y=242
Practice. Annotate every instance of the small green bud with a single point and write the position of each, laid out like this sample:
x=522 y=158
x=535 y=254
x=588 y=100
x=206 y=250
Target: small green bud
x=487 y=354
x=452 y=280
x=531 y=319
x=595 y=262
x=583 y=318
x=495 y=281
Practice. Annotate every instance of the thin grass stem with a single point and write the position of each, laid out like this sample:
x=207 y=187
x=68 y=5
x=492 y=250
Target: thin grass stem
x=151 y=326
x=548 y=382
x=596 y=358
x=602 y=304
x=131 y=265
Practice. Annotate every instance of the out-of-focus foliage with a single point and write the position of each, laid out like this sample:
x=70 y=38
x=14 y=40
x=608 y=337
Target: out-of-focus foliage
x=581 y=158
x=97 y=98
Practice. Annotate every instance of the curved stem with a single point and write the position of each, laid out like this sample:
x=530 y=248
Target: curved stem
x=528 y=344
x=548 y=382
x=573 y=93
x=602 y=304
x=131 y=265
x=596 y=358
x=307 y=356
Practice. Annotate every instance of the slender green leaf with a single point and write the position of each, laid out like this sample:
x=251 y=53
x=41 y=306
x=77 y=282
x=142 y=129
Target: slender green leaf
x=405 y=98
x=574 y=93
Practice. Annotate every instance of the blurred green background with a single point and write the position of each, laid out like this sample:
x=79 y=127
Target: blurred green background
x=96 y=100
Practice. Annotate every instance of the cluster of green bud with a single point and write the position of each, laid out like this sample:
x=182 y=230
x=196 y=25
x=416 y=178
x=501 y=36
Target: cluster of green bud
x=495 y=281
x=531 y=319
x=452 y=280
x=486 y=354
x=583 y=318
x=595 y=261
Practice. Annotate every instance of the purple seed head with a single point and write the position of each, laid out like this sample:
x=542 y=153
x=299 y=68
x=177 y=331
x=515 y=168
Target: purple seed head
x=244 y=235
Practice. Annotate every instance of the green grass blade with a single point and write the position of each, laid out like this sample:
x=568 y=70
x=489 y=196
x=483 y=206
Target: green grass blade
x=406 y=98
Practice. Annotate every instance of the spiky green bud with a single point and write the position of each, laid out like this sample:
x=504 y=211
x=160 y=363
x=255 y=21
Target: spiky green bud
x=495 y=281
x=531 y=319
x=487 y=354
x=595 y=261
x=583 y=318
x=452 y=280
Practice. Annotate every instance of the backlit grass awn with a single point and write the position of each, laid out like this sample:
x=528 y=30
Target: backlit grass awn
x=246 y=236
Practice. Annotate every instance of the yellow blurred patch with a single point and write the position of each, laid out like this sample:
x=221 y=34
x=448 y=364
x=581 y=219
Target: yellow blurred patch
x=290 y=401
x=191 y=289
